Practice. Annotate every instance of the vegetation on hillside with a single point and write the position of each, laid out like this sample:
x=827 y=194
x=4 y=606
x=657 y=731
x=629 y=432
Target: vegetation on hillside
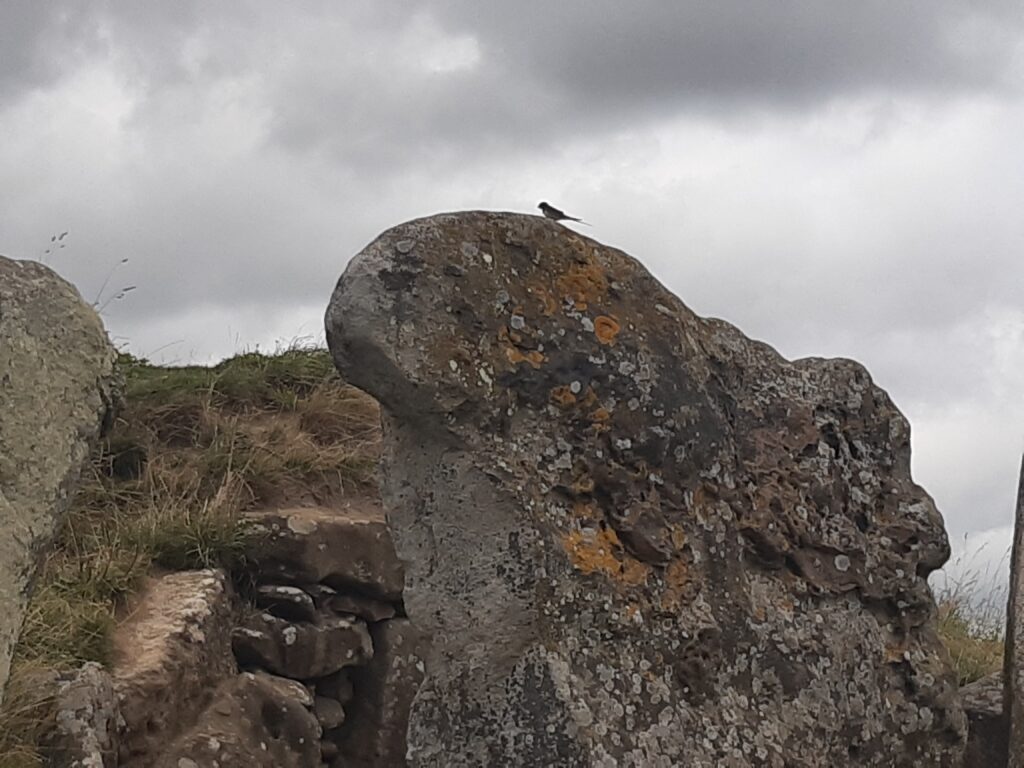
x=192 y=449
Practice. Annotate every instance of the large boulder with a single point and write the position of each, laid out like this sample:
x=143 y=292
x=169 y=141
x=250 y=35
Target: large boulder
x=634 y=536
x=56 y=388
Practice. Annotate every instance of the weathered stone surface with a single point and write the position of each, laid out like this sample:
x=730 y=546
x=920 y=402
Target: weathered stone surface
x=1013 y=664
x=363 y=607
x=378 y=715
x=252 y=722
x=87 y=721
x=285 y=602
x=635 y=536
x=56 y=387
x=173 y=652
x=345 y=547
x=301 y=650
x=987 y=730
x=329 y=712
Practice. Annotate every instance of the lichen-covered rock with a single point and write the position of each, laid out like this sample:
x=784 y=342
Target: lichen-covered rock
x=347 y=546
x=87 y=720
x=302 y=650
x=634 y=536
x=378 y=716
x=172 y=653
x=56 y=389
x=987 y=725
x=254 y=721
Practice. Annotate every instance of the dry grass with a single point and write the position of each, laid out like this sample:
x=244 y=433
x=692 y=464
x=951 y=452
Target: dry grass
x=971 y=616
x=192 y=450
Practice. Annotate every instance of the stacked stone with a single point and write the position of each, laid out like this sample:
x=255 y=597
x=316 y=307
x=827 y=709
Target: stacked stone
x=328 y=587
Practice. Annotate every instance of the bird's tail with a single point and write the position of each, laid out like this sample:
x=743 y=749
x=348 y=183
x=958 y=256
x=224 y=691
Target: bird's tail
x=579 y=221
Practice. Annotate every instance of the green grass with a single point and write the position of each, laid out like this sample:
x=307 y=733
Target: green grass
x=192 y=449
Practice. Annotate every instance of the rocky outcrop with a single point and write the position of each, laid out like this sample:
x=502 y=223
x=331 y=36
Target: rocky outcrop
x=635 y=536
x=56 y=378
x=174 y=650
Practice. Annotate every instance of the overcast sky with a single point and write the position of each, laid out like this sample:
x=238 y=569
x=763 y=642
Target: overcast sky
x=834 y=178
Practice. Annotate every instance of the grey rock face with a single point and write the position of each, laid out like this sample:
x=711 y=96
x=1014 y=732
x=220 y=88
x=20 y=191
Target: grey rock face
x=635 y=536
x=56 y=386
x=88 y=717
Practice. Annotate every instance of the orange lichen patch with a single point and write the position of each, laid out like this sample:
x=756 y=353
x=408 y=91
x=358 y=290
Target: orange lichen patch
x=895 y=654
x=533 y=357
x=678 y=537
x=589 y=398
x=677 y=584
x=598 y=550
x=585 y=511
x=583 y=283
x=600 y=414
x=606 y=329
x=583 y=485
x=562 y=396
x=548 y=303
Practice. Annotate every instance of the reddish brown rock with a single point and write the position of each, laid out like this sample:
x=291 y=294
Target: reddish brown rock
x=173 y=652
x=347 y=547
x=301 y=650
x=635 y=536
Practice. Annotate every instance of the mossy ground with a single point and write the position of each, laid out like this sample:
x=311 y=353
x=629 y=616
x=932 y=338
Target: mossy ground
x=192 y=449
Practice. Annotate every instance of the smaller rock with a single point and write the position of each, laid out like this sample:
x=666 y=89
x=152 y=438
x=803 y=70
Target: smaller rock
x=328 y=712
x=253 y=721
x=328 y=750
x=301 y=650
x=337 y=686
x=293 y=689
x=987 y=726
x=285 y=602
x=87 y=720
x=364 y=607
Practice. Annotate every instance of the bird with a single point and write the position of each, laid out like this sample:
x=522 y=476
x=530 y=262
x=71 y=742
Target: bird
x=553 y=213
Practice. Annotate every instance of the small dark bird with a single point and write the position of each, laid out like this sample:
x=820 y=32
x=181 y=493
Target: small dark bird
x=553 y=213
